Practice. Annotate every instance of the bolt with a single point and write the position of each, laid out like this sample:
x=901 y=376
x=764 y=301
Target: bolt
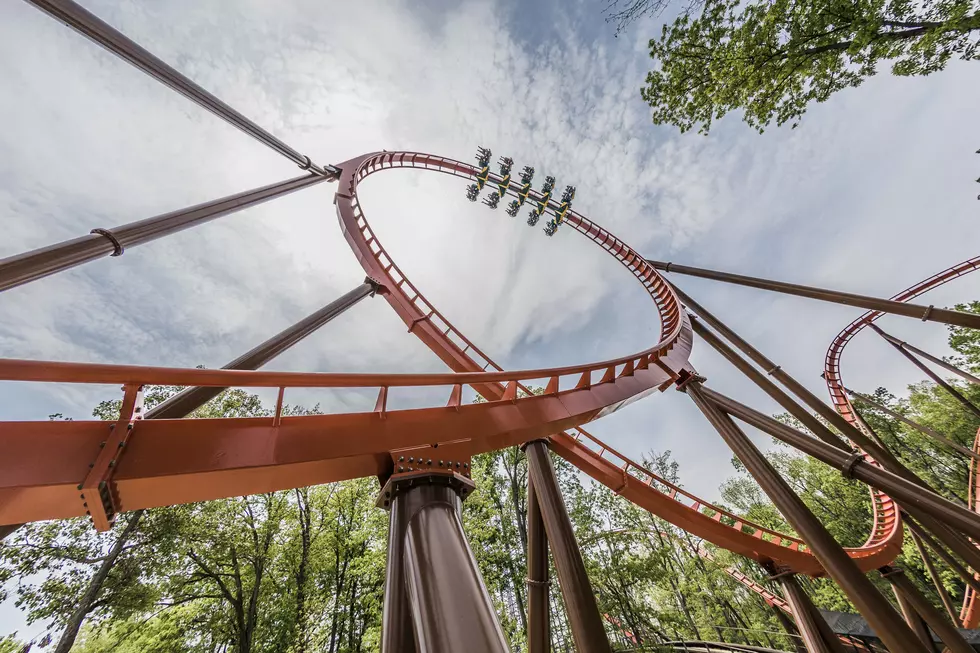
x=401 y=469
x=112 y=463
x=112 y=426
x=79 y=487
x=457 y=465
x=129 y=427
x=121 y=444
x=81 y=496
x=84 y=505
x=102 y=485
x=101 y=444
x=440 y=463
x=411 y=469
x=411 y=459
x=91 y=465
x=428 y=462
x=401 y=459
x=465 y=465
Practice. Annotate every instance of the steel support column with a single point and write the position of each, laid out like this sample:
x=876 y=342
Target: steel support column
x=397 y=632
x=808 y=618
x=791 y=630
x=91 y=26
x=937 y=580
x=963 y=374
x=901 y=489
x=925 y=313
x=30 y=266
x=879 y=614
x=946 y=631
x=448 y=602
x=576 y=590
x=938 y=380
x=921 y=428
x=970 y=553
x=187 y=401
x=538 y=584
x=915 y=622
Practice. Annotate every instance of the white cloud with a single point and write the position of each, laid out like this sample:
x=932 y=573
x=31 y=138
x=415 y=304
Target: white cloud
x=871 y=194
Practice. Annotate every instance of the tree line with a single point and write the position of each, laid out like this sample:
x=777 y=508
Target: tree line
x=303 y=570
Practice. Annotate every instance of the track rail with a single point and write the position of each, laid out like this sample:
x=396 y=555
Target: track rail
x=621 y=474
x=176 y=461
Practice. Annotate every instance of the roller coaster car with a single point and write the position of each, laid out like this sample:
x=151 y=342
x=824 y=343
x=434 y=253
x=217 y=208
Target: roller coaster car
x=549 y=185
x=492 y=200
x=569 y=194
x=513 y=208
x=482 y=176
x=505 y=163
x=535 y=215
x=527 y=174
x=550 y=228
x=472 y=192
x=483 y=156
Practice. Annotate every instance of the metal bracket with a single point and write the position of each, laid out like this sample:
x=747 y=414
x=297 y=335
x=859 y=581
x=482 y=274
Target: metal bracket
x=847 y=470
x=117 y=247
x=925 y=316
x=377 y=288
x=98 y=490
x=684 y=378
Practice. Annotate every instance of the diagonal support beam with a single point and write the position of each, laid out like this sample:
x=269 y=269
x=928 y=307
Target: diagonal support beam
x=897 y=487
x=189 y=400
x=938 y=380
x=963 y=374
x=925 y=313
x=947 y=632
x=882 y=618
x=36 y=264
x=921 y=428
x=91 y=26
x=937 y=581
x=580 y=604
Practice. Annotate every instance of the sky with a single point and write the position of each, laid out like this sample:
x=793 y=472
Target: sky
x=873 y=192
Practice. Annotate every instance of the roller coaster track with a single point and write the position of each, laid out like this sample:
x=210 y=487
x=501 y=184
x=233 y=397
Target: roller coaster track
x=177 y=461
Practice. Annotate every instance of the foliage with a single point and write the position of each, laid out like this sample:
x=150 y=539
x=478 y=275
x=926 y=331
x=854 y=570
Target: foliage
x=773 y=59
x=303 y=570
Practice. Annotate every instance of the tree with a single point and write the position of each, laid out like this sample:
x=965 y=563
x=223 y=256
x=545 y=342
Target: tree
x=772 y=59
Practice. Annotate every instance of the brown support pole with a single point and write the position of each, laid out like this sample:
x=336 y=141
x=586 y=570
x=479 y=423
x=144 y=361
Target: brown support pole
x=30 y=266
x=921 y=428
x=946 y=631
x=914 y=621
x=538 y=584
x=791 y=630
x=808 y=618
x=397 y=632
x=91 y=26
x=938 y=380
x=904 y=491
x=450 y=607
x=184 y=403
x=919 y=532
x=937 y=581
x=882 y=618
x=925 y=313
x=963 y=374
x=576 y=590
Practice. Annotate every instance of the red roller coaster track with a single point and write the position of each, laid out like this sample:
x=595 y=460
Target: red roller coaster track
x=174 y=461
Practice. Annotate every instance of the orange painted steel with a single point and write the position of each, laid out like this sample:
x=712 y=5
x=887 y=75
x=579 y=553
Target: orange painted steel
x=970 y=613
x=179 y=461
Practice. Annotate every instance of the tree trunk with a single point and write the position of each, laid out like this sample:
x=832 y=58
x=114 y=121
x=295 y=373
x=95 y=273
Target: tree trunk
x=74 y=624
x=302 y=499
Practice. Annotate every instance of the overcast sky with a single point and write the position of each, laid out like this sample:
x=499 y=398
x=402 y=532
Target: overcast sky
x=872 y=193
